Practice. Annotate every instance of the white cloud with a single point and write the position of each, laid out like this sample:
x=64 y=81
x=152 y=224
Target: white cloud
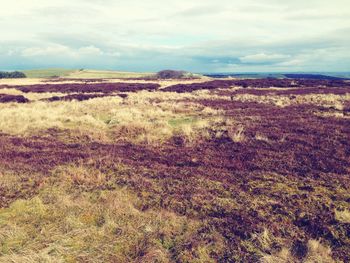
x=89 y=51
x=60 y=50
x=264 y=58
x=261 y=32
x=52 y=50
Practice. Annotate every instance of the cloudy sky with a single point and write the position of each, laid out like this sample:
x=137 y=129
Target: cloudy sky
x=195 y=35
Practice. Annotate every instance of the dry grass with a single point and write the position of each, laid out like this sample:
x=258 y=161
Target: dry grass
x=28 y=119
x=325 y=100
x=236 y=133
x=138 y=119
x=24 y=81
x=343 y=216
x=74 y=219
x=58 y=226
x=261 y=137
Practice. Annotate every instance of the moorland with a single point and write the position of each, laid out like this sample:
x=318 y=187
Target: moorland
x=124 y=167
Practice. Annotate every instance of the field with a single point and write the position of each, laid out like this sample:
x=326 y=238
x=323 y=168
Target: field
x=151 y=171
x=47 y=73
x=81 y=74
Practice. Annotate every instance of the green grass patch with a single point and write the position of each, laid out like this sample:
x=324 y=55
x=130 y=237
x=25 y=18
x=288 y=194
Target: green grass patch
x=182 y=121
x=47 y=73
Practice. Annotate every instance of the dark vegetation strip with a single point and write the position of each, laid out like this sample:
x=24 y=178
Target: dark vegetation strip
x=81 y=97
x=87 y=88
x=312 y=76
x=5 y=98
x=286 y=92
x=256 y=83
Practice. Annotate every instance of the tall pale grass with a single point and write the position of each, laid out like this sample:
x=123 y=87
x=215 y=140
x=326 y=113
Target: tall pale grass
x=138 y=118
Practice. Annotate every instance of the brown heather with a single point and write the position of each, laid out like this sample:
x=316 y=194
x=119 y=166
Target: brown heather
x=219 y=171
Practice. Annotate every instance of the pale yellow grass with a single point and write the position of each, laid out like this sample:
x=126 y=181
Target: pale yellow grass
x=60 y=226
x=138 y=119
x=343 y=216
x=35 y=81
x=261 y=137
x=325 y=100
x=73 y=220
x=24 y=81
x=236 y=133
x=341 y=115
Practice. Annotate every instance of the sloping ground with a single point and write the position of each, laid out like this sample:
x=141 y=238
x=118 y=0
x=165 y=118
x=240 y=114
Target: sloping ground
x=47 y=73
x=93 y=74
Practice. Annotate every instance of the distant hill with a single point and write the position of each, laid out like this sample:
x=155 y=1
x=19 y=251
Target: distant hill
x=47 y=73
x=89 y=73
x=330 y=76
x=312 y=76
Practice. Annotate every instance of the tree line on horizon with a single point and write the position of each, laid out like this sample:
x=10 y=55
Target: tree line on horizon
x=12 y=75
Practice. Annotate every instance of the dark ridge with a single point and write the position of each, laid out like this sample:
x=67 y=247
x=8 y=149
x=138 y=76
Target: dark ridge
x=275 y=75
x=312 y=76
x=5 y=98
x=244 y=75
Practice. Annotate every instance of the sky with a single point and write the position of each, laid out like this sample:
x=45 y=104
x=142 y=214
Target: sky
x=193 y=35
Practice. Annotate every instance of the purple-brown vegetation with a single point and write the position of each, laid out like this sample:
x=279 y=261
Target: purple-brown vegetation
x=256 y=83
x=286 y=92
x=288 y=174
x=82 y=97
x=88 y=88
x=5 y=98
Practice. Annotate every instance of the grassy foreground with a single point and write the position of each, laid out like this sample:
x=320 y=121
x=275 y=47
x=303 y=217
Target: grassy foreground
x=226 y=174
